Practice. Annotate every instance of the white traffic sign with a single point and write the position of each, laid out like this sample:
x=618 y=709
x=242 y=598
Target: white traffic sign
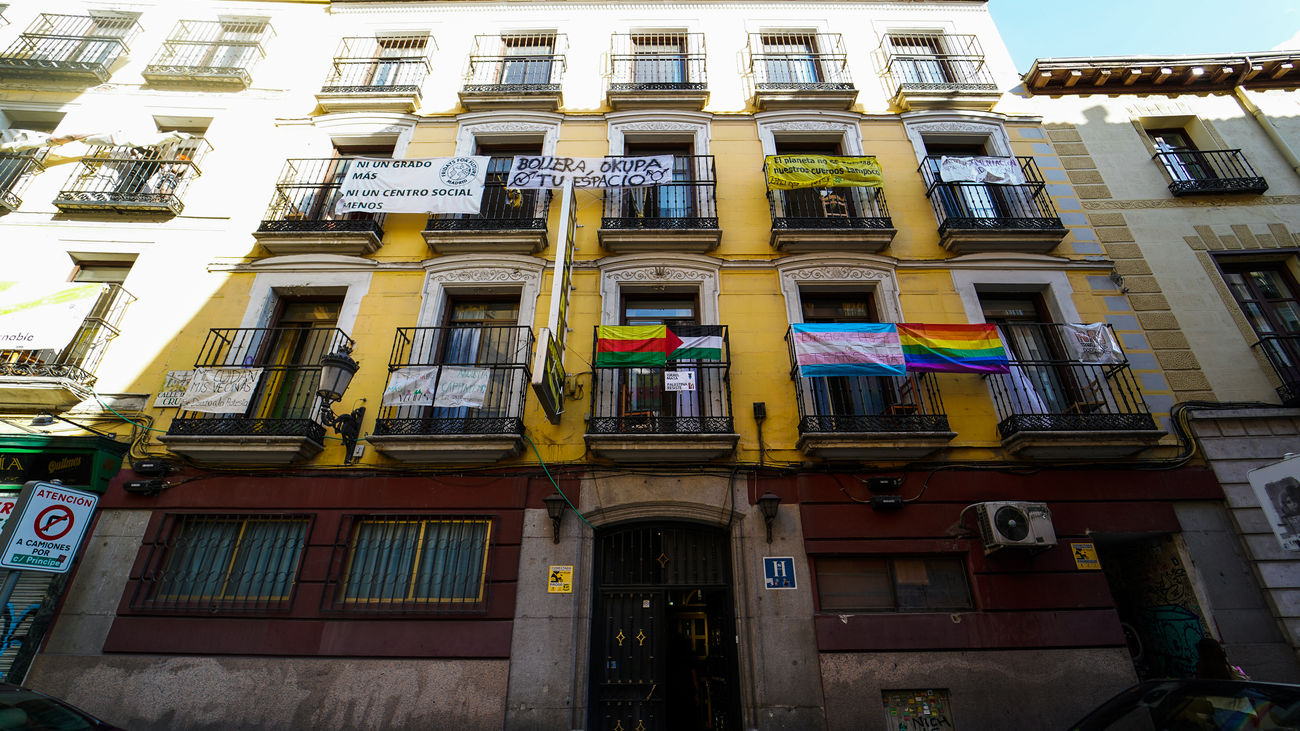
x=46 y=528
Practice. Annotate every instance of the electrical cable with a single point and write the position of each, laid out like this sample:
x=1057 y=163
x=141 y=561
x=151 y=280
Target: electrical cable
x=556 y=484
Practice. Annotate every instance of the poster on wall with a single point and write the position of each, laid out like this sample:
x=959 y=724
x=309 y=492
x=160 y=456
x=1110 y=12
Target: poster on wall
x=173 y=388
x=221 y=390
x=429 y=185
x=43 y=316
x=1277 y=487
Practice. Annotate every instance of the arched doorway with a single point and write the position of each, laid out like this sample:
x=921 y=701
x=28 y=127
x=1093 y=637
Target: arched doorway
x=663 y=630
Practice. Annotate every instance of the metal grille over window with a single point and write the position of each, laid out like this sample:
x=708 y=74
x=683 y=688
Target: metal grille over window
x=16 y=171
x=519 y=62
x=79 y=359
x=218 y=563
x=135 y=179
x=501 y=208
x=798 y=60
x=657 y=61
x=403 y=563
x=688 y=201
x=398 y=63
x=963 y=199
x=73 y=46
x=916 y=62
x=215 y=51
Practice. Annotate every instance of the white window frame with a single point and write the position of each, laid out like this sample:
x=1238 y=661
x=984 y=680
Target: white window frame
x=684 y=273
x=508 y=274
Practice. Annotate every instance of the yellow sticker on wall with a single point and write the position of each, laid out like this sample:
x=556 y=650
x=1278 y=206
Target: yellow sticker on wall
x=1085 y=556
x=560 y=581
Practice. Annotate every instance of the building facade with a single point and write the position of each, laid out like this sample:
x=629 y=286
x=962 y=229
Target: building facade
x=583 y=547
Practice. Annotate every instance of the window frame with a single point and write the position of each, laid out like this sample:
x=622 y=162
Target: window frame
x=820 y=562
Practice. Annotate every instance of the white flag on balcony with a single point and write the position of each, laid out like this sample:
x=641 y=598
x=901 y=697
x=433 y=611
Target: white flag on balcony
x=534 y=172
x=1093 y=343
x=411 y=386
x=221 y=390
x=1001 y=170
x=462 y=386
x=43 y=316
x=428 y=185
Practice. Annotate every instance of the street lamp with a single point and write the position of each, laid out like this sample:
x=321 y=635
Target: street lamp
x=767 y=505
x=555 y=508
x=336 y=371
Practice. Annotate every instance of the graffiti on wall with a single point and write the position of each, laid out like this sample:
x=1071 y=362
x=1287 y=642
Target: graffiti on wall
x=1154 y=597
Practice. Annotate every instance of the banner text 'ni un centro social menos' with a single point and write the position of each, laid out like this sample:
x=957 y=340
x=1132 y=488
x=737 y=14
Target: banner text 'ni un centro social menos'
x=429 y=185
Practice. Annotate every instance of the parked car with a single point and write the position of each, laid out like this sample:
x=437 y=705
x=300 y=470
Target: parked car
x=1198 y=705
x=29 y=710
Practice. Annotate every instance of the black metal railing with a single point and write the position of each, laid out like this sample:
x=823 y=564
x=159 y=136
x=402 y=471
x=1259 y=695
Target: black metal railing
x=935 y=62
x=215 y=563
x=521 y=62
x=689 y=201
x=795 y=61
x=211 y=50
x=657 y=61
x=1062 y=381
x=1209 y=171
x=134 y=179
x=410 y=564
x=79 y=359
x=501 y=350
x=828 y=208
x=634 y=400
x=16 y=170
x=76 y=45
x=989 y=206
x=500 y=208
x=388 y=64
x=865 y=404
x=1283 y=353
x=284 y=402
x=305 y=198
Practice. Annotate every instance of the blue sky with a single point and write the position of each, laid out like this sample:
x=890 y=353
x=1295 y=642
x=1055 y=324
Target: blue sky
x=1044 y=28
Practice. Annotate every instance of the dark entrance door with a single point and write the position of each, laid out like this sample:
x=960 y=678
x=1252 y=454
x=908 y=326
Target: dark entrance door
x=663 y=630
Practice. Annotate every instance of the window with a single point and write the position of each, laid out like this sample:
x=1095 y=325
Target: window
x=403 y=560
x=673 y=200
x=109 y=268
x=98 y=46
x=498 y=202
x=527 y=59
x=395 y=54
x=1266 y=292
x=659 y=58
x=925 y=584
x=215 y=561
x=791 y=58
x=919 y=61
x=1179 y=155
x=236 y=44
x=820 y=203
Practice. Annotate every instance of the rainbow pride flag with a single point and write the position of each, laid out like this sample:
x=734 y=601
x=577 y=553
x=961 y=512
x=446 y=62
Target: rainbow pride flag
x=634 y=345
x=953 y=348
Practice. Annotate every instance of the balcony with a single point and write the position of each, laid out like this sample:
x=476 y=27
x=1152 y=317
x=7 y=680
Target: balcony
x=1056 y=405
x=519 y=71
x=854 y=219
x=508 y=221
x=127 y=179
x=793 y=70
x=680 y=216
x=635 y=419
x=657 y=71
x=56 y=379
x=16 y=170
x=1195 y=172
x=382 y=73
x=301 y=218
x=438 y=434
x=937 y=71
x=76 y=49
x=988 y=217
x=1283 y=354
x=869 y=417
x=209 y=54
x=282 y=422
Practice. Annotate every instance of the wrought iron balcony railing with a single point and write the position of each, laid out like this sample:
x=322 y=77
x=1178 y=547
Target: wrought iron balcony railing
x=795 y=61
x=935 y=62
x=1050 y=388
x=305 y=197
x=16 y=171
x=500 y=208
x=80 y=358
x=522 y=62
x=663 y=61
x=134 y=179
x=214 y=51
x=1283 y=353
x=689 y=201
x=864 y=404
x=284 y=403
x=74 y=46
x=501 y=350
x=389 y=64
x=829 y=208
x=633 y=400
x=1209 y=171
x=990 y=206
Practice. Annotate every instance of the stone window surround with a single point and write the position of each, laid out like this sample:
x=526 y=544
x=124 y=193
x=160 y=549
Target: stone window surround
x=813 y=272
x=641 y=124
x=324 y=278
x=680 y=274
x=843 y=126
x=487 y=125
x=450 y=275
x=986 y=125
x=368 y=128
x=1007 y=277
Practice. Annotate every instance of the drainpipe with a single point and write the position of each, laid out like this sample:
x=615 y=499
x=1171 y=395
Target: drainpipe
x=1287 y=153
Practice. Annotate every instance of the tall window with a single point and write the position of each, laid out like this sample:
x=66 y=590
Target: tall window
x=394 y=55
x=1266 y=293
x=290 y=353
x=403 y=560
x=920 y=62
x=929 y=584
x=480 y=332
x=103 y=38
x=820 y=202
x=1179 y=154
x=791 y=58
x=221 y=560
x=498 y=202
x=846 y=395
x=659 y=58
x=236 y=44
x=673 y=200
x=643 y=391
x=527 y=59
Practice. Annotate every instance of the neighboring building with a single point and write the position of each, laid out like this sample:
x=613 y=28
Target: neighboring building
x=1187 y=167
x=247 y=569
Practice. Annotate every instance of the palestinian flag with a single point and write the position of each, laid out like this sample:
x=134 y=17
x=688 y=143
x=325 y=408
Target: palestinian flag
x=634 y=345
x=953 y=348
x=699 y=342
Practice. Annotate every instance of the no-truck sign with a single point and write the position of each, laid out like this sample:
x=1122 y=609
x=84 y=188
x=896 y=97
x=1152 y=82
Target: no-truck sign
x=46 y=527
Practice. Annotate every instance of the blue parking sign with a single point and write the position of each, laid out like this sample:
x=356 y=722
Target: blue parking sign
x=778 y=572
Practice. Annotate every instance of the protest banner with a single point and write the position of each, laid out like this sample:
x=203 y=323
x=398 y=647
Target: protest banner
x=221 y=390
x=431 y=185
x=543 y=171
x=788 y=172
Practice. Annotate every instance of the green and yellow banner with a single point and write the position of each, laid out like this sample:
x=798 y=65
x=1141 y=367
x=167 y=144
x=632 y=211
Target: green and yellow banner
x=788 y=172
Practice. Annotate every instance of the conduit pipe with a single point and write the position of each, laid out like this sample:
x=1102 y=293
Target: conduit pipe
x=1287 y=153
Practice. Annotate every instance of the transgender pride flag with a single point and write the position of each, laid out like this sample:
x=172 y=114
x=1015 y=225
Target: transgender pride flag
x=858 y=349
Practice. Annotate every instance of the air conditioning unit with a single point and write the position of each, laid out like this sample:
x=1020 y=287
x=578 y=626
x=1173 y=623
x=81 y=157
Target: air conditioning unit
x=1015 y=525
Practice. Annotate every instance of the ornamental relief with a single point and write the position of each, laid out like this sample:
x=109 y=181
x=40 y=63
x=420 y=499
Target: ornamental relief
x=832 y=274
x=954 y=127
x=484 y=275
x=808 y=126
x=659 y=126
x=660 y=274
